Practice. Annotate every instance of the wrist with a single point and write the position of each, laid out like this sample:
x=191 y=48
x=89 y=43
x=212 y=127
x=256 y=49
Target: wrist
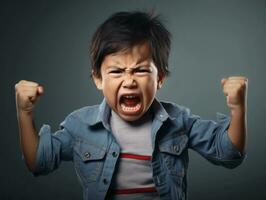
x=238 y=110
x=24 y=113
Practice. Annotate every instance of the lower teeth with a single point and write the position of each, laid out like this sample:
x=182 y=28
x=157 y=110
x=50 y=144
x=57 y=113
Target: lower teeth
x=129 y=108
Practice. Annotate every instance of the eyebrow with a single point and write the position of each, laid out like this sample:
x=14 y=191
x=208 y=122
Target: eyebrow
x=123 y=68
x=145 y=62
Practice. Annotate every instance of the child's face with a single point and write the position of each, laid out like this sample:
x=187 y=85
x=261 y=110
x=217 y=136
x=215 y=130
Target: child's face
x=129 y=81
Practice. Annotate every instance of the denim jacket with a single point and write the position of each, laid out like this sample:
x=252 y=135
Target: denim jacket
x=85 y=138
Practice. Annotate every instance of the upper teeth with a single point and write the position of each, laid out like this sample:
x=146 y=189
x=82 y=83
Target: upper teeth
x=129 y=96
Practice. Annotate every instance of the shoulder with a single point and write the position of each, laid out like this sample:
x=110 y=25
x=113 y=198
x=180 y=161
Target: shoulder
x=81 y=116
x=180 y=115
x=84 y=113
x=175 y=110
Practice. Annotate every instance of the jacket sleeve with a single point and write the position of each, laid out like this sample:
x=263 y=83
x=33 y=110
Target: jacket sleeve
x=210 y=139
x=54 y=147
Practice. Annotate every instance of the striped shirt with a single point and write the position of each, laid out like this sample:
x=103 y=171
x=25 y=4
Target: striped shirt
x=133 y=176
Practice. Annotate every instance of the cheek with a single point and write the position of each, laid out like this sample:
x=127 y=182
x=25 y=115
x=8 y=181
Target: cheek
x=110 y=88
x=150 y=87
x=153 y=83
x=108 y=83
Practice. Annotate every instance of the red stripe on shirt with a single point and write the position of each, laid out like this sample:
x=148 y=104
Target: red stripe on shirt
x=134 y=156
x=134 y=190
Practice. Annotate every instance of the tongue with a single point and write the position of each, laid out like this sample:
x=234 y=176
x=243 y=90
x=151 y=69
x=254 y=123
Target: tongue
x=130 y=102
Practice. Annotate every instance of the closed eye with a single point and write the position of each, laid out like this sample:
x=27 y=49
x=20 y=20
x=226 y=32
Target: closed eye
x=142 y=70
x=115 y=71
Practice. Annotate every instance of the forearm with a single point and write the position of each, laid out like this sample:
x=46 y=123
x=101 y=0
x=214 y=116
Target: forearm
x=28 y=138
x=238 y=129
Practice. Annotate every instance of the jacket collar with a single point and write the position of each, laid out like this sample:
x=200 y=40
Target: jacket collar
x=159 y=111
x=101 y=115
x=103 y=111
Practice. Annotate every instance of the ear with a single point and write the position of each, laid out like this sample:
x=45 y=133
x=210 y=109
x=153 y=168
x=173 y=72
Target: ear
x=161 y=79
x=97 y=81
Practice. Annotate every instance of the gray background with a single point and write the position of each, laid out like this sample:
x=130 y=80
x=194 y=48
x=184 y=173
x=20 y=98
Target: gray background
x=47 y=41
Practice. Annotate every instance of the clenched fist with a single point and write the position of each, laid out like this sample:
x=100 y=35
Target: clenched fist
x=235 y=89
x=27 y=94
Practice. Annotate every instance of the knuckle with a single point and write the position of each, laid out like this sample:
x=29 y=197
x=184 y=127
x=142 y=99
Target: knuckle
x=238 y=85
x=242 y=86
x=21 y=81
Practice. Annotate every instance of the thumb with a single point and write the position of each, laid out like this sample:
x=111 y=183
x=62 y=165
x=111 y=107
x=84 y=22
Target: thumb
x=40 y=90
x=223 y=81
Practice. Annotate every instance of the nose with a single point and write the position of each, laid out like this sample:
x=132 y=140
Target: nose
x=129 y=81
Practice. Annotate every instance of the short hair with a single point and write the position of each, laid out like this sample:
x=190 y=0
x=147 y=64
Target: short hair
x=123 y=30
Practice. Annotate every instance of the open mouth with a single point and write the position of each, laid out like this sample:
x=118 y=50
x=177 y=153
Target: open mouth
x=130 y=104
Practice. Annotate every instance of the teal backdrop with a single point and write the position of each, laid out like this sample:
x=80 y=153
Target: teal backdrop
x=47 y=42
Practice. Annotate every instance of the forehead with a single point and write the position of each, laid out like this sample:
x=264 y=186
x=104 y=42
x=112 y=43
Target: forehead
x=137 y=54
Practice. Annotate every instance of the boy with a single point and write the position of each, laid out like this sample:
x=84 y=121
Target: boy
x=132 y=146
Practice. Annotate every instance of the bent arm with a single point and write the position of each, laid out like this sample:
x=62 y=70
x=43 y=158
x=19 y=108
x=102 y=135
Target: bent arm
x=27 y=94
x=235 y=89
x=211 y=140
x=29 y=138
x=237 y=130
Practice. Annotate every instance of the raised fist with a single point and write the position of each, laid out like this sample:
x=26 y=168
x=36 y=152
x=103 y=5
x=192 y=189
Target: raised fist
x=27 y=94
x=235 y=89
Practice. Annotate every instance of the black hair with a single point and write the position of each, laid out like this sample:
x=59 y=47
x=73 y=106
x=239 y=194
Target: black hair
x=123 y=30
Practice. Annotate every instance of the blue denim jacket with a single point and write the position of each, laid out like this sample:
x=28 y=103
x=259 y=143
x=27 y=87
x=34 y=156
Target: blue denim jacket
x=85 y=138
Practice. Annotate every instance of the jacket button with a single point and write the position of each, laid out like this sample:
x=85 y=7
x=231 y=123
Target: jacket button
x=114 y=154
x=87 y=154
x=176 y=148
x=105 y=181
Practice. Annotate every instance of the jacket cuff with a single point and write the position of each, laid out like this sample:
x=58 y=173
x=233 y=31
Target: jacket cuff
x=230 y=152
x=43 y=149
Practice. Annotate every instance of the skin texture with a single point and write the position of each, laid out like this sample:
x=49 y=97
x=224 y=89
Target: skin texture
x=128 y=72
x=235 y=90
x=27 y=94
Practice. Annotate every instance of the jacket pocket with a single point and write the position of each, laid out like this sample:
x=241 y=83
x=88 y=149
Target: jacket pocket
x=174 y=154
x=88 y=160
